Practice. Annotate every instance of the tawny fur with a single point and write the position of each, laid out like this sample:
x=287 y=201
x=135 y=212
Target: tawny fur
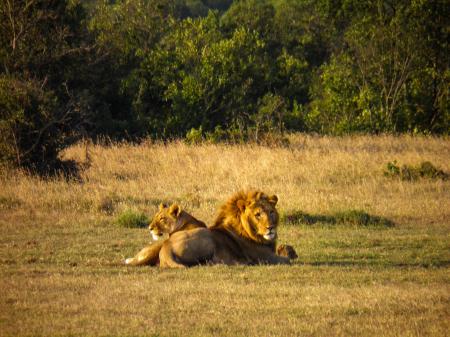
x=169 y=220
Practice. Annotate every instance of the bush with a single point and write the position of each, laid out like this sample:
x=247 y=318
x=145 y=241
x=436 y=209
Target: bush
x=194 y=136
x=357 y=218
x=43 y=77
x=217 y=136
x=30 y=134
x=132 y=219
x=361 y=218
x=408 y=172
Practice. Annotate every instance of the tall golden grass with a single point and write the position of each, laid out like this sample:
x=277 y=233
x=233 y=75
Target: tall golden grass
x=314 y=174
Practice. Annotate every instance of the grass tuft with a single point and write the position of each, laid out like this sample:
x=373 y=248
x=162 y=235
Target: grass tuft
x=9 y=202
x=106 y=205
x=132 y=219
x=407 y=172
x=350 y=217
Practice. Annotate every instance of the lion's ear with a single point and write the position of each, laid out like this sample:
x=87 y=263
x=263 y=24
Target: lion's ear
x=241 y=205
x=162 y=206
x=175 y=210
x=273 y=199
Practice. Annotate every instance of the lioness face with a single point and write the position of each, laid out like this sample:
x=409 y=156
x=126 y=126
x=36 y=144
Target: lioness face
x=260 y=219
x=164 y=220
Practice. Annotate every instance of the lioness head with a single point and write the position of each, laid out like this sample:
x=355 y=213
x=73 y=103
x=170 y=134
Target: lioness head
x=259 y=217
x=164 y=220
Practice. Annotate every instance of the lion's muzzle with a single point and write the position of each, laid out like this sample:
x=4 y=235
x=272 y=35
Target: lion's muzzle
x=155 y=235
x=271 y=234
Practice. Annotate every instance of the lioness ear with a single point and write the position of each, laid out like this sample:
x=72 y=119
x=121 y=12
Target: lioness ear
x=162 y=206
x=241 y=205
x=273 y=199
x=175 y=210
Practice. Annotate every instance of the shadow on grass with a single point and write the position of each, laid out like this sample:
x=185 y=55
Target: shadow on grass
x=69 y=170
x=359 y=263
x=356 y=218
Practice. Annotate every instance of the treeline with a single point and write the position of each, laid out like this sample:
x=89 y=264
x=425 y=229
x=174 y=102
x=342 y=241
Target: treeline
x=217 y=69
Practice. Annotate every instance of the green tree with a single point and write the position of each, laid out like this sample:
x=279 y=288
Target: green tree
x=376 y=81
x=203 y=77
x=126 y=32
x=41 y=105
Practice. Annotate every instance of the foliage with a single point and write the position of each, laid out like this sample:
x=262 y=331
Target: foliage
x=194 y=136
x=41 y=108
x=236 y=70
x=407 y=172
x=348 y=218
x=376 y=83
x=132 y=219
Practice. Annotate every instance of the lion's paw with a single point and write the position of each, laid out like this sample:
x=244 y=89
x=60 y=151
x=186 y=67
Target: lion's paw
x=287 y=251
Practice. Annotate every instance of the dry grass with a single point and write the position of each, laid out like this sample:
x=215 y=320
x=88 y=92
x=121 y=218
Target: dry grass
x=61 y=249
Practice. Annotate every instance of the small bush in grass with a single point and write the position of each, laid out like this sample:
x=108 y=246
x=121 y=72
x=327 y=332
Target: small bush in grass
x=361 y=218
x=194 y=136
x=351 y=217
x=106 y=205
x=409 y=172
x=9 y=202
x=132 y=219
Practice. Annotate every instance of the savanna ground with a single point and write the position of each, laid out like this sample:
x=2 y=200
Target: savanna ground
x=381 y=272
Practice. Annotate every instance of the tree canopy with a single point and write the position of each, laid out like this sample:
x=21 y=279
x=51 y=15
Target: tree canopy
x=218 y=69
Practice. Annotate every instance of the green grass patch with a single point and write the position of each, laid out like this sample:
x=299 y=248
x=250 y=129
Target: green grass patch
x=408 y=172
x=132 y=219
x=354 y=218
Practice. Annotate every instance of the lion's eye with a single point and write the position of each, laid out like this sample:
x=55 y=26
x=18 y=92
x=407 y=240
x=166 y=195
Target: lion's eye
x=257 y=215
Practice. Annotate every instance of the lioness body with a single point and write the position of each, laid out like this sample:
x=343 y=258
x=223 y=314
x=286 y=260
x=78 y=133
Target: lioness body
x=167 y=220
x=243 y=233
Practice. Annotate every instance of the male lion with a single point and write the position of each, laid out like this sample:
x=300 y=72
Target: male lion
x=167 y=220
x=243 y=233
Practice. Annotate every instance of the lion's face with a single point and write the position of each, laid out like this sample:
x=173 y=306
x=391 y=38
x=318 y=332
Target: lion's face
x=259 y=218
x=164 y=220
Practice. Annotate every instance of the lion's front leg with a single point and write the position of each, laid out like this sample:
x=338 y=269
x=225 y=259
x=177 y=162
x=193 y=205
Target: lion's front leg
x=265 y=255
x=275 y=259
x=147 y=256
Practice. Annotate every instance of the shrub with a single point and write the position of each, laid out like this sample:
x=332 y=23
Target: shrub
x=361 y=218
x=132 y=219
x=106 y=205
x=409 y=172
x=357 y=218
x=217 y=136
x=29 y=133
x=194 y=136
x=42 y=81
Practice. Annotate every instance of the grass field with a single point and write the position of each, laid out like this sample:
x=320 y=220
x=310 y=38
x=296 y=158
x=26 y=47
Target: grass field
x=374 y=252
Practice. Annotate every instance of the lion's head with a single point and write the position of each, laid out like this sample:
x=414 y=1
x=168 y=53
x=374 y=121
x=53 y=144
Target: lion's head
x=251 y=215
x=165 y=220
